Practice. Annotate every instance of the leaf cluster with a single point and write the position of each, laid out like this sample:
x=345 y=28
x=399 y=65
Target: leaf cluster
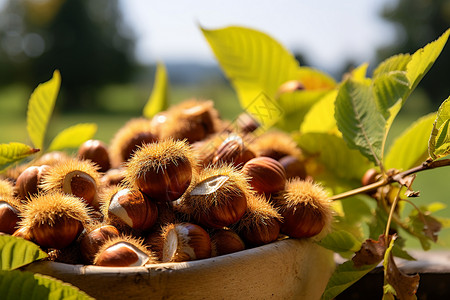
x=342 y=129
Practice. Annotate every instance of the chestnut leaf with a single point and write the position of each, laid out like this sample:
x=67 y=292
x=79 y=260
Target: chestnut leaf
x=40 y=108
x=26 y=285
x=159 y=98
x=439 y=142
x=405 y=286
x=73 y=137
x=12 y=152
x=332 y=152
x=410 y=148
x=371 y=252
x=17 y=252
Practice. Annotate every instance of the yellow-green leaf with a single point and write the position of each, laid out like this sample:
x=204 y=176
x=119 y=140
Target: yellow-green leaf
x=40 y=109
x=253 y=61
x=15 y=285
x=159 y=98
x=439 y=142
x=410 y=148
x=73 y=136
x=423 y=59
x=16 y=252
x=397 y=62
x=360 y=73
x=313 y=79
x=320 y=118
x=13 y=152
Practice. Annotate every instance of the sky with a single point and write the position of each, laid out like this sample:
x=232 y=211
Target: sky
x=327 y=32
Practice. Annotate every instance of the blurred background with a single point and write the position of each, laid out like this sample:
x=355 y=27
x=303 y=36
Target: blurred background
x=106 y=51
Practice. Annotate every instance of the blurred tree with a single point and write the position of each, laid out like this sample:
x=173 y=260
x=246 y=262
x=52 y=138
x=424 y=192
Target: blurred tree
x=420 y=22
x=87 y=41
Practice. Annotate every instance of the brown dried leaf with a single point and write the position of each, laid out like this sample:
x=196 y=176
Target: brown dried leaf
x=371 y=252
x=431 y=227
x=405 y=285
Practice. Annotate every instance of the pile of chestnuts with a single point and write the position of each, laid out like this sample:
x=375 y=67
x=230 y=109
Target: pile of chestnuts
x=184 y=185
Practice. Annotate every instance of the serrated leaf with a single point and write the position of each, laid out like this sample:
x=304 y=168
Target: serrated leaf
x=341 y=242
x=390 y=89
x=334 y=154
x=159 y=98
x=438 y=144
x=359 y=120
x=320 y=118
x=343 y=277
x=397 y=62
x=17 y=285
x=73 y=136
x=253 y=61
x=410 y=148
x=423 y=59
x=40 y=109
x=12 y=152
x=17 y=252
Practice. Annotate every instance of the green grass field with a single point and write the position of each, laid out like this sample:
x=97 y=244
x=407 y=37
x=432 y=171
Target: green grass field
x=121 y=103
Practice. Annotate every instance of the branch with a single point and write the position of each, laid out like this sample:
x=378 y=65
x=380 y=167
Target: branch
x=395 y=177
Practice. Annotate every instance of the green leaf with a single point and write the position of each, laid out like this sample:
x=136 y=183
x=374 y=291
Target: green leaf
x=423 y=59
x=334 y=154
x=296 y=105
x=17 y=252
x=253 y=61
x=17 y=285
x=40 y=109
x=341 y=242
x=73 y=136
x=320 y=118
x=439 y=142
x=12 y=152
x=159 y=98
x=390 y=89
x=410 y=148
x=358 y=118
x=343 y=277
x=397 y=62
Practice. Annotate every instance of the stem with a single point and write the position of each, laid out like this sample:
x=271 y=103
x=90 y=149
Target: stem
x=426 y=165
x=363 y=189
x=391 y=214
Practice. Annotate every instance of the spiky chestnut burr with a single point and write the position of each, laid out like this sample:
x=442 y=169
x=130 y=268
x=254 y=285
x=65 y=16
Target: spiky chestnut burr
x=267 y=175
x=54 y=219
x=123 y=251
x=184 y=242
x=76 y=177
x=93 y=239
x=128 y=207
x=134 y=134
x=9 y=208
x=305 y=208
x=97 y=152
x=218 y=197
x=28 y=182
x=261 y=222
x=192 y=120
x=233 y=151
x=225 y=241
x=276 y=144
x=162 y=170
